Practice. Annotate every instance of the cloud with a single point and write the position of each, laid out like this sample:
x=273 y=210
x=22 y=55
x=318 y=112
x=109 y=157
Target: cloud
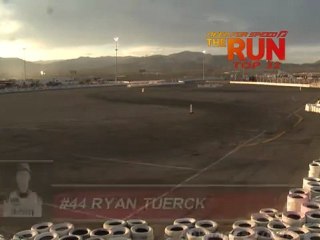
x=8 y=25
x=166 y=24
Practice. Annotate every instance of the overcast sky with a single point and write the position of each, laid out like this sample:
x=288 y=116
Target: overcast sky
x=59 y=29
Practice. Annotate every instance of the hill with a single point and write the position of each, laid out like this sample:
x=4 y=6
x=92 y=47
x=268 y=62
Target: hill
x=183 y=63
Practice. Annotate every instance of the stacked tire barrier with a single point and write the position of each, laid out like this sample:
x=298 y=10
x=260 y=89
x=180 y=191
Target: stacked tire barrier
x=309 y=107
x=300 y=220
x=189 y=228
x=117 y=229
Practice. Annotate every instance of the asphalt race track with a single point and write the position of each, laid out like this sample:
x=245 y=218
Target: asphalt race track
x=240 y=141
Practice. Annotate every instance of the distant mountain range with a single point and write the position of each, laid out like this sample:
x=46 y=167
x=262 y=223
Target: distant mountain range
x=183 y=63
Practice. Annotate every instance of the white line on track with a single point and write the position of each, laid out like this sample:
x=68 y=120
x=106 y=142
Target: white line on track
x=137 y=163
x=198 y=173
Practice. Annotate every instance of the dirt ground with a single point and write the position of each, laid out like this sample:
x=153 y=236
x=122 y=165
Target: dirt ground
x=238 y=136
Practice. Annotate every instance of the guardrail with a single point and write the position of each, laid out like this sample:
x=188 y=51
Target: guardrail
x=153 y=84
x=300 y=85
x=61 y=87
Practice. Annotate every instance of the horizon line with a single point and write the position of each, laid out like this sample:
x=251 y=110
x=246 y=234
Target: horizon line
x=133 y=56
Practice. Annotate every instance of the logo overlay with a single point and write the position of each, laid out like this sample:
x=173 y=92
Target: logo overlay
x=248 y=49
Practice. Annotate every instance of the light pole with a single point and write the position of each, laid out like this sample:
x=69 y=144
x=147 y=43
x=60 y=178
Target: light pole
x=42 y=73
x=24 y=64
x=204 y=52
x=116 y=39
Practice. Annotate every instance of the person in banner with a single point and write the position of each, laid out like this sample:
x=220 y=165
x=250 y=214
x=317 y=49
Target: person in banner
x=23 y=202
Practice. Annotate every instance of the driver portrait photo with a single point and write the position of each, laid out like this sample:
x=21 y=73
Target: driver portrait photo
x=22 y=202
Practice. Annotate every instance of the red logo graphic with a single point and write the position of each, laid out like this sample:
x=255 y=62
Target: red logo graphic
x=241 y=47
